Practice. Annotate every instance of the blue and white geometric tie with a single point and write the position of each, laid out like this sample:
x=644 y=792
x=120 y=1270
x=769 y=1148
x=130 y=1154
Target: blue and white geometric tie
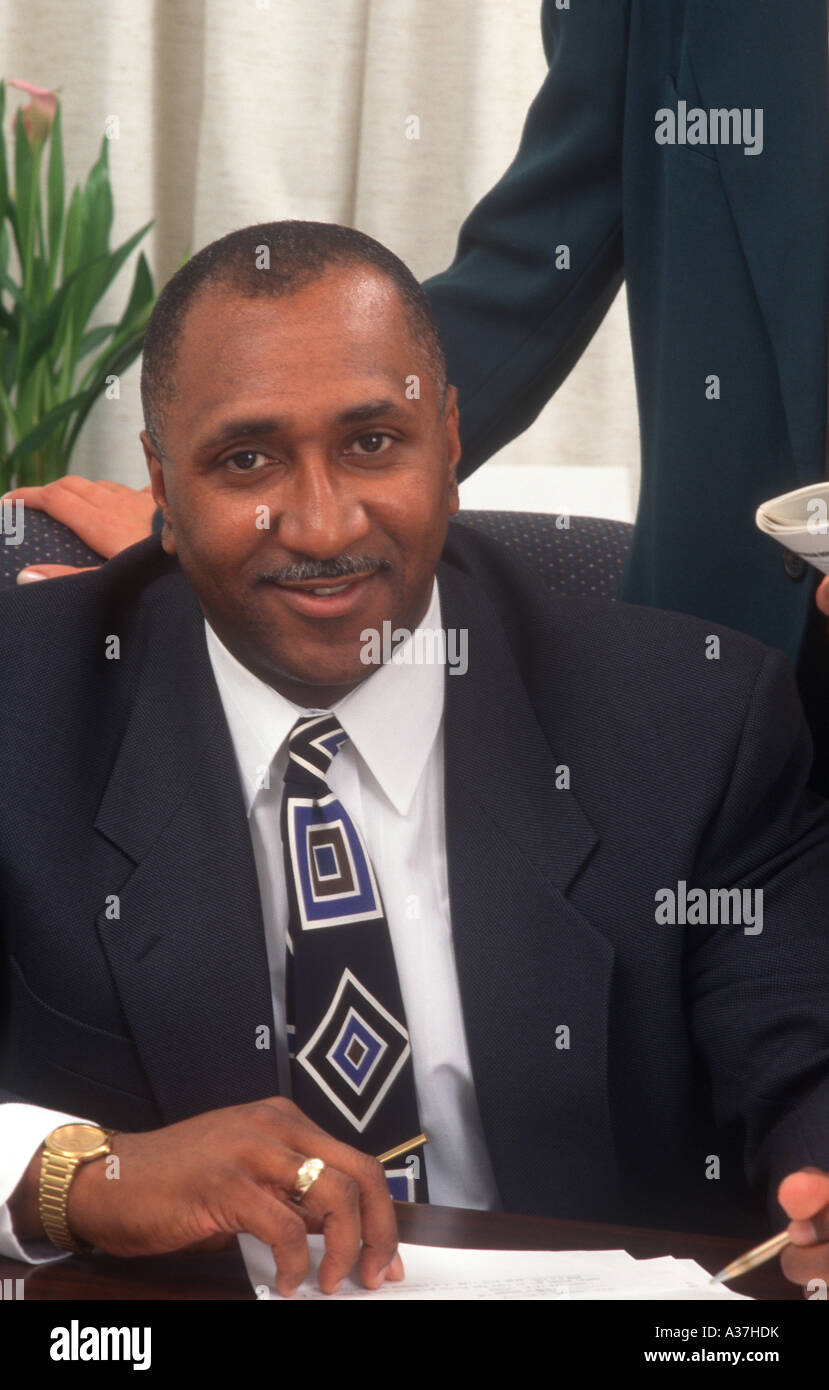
x=351 y=1064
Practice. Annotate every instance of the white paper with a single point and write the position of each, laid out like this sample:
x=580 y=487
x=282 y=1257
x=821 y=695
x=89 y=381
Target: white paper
x=434 y=1272
x=799 y=520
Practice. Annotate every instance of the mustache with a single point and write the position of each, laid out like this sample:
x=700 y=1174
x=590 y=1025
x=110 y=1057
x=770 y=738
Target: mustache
x=341 y=568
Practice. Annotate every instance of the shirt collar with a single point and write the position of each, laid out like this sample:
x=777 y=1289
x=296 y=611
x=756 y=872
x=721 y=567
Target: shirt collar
x=392 y=718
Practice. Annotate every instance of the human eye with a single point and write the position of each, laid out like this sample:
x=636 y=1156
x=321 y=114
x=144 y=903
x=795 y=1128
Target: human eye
x=245 y=461
x=375 y=442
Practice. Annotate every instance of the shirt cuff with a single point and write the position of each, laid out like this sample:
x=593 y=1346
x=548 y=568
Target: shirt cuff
x=23 y=1129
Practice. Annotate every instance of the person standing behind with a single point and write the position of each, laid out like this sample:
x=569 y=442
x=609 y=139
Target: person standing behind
x=680 y=145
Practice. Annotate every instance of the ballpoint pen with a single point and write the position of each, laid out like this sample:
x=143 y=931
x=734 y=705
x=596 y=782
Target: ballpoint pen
x=752 y=1258
x=400 y=1149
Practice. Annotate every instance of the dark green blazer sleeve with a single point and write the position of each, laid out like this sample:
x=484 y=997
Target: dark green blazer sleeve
x=539 y=259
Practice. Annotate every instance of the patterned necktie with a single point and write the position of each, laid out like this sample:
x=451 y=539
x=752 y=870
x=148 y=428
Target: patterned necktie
x=351 y=1065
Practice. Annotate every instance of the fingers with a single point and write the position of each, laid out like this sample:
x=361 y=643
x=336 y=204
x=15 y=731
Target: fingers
x=66 y=498
x=279 y=1225
x=333 y=1205
x=349 y=1202
x=107 y=516
x=804 y=1194
x=31 y=575
x=357 y=1220
x=356 y=1214
x=96 y=492
x=334 y=1200
x=234 y=1170
x=379 y=1226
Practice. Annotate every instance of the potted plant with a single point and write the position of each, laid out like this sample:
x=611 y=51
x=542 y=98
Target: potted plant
x=55 y=266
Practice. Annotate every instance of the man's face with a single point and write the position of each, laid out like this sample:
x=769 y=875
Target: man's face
x=292 y=412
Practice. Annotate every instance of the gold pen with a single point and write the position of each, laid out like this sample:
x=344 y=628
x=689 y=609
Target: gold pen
x=752 y=1258
x=402 y=1149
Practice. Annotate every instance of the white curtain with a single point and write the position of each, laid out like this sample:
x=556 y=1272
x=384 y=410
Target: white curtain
x=239 y=111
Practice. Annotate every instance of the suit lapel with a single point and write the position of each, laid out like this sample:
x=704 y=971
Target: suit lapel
x=529 y=965
x=188 y=949
x=774 y=57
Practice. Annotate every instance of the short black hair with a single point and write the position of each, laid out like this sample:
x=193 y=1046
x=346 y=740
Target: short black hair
x=276 y=258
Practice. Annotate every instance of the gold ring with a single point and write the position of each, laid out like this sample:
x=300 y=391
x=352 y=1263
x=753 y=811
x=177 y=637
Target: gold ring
x=308 y=1173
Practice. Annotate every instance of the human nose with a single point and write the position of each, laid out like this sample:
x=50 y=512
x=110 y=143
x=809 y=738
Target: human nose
x=319 y=514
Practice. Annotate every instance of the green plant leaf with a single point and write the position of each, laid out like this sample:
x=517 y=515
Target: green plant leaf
x=15 y=291
x=94 y=337
x=4 y=241
x=8 y=371
x=66 y=373
x=55 y=195
x=4 y=176
x=43 y=329
x=8 y=414
x=46 y=427
x=26 y=403
x=44 y=332
x=103 y=364
x=26 y=195
x=115 y=365
x=142 y=291
x=40 y=257
x=72 y=233
x=40 y=280
x=98 y=211
x=102 y=274
x=11 y=218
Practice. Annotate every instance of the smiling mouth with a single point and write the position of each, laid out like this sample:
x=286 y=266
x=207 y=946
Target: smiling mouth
x=332 y=598
x=323 y=591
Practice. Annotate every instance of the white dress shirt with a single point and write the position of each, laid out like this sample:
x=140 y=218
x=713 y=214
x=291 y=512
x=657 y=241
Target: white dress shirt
x=389 y=777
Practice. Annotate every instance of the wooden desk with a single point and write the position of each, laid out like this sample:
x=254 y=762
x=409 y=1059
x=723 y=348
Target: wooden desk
x=222 y=1275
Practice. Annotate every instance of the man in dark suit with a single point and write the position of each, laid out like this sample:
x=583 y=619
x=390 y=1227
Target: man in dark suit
x=722 y=242
x=720 y=229
x=637 y=880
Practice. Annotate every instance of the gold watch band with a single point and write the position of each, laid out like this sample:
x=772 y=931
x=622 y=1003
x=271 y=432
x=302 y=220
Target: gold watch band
x=56 y=1174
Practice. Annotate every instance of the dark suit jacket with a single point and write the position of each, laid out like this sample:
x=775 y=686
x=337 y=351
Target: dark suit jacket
x=727 y=270
x=684 y=1042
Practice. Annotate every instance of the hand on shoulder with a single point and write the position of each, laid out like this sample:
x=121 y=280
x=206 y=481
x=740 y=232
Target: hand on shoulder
x=106 y=516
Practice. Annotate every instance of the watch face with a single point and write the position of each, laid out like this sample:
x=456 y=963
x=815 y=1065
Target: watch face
x=77 y=1139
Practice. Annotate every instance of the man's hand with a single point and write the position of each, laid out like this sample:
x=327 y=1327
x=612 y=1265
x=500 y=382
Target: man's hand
x=804 y=1196
x=106 y=516
x=233 y=1170
x=822 y=596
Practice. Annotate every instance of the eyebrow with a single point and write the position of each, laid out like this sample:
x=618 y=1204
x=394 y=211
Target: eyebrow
x=274 y=424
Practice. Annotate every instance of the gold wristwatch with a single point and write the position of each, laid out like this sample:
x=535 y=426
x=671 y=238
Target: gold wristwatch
x=64 y=1150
